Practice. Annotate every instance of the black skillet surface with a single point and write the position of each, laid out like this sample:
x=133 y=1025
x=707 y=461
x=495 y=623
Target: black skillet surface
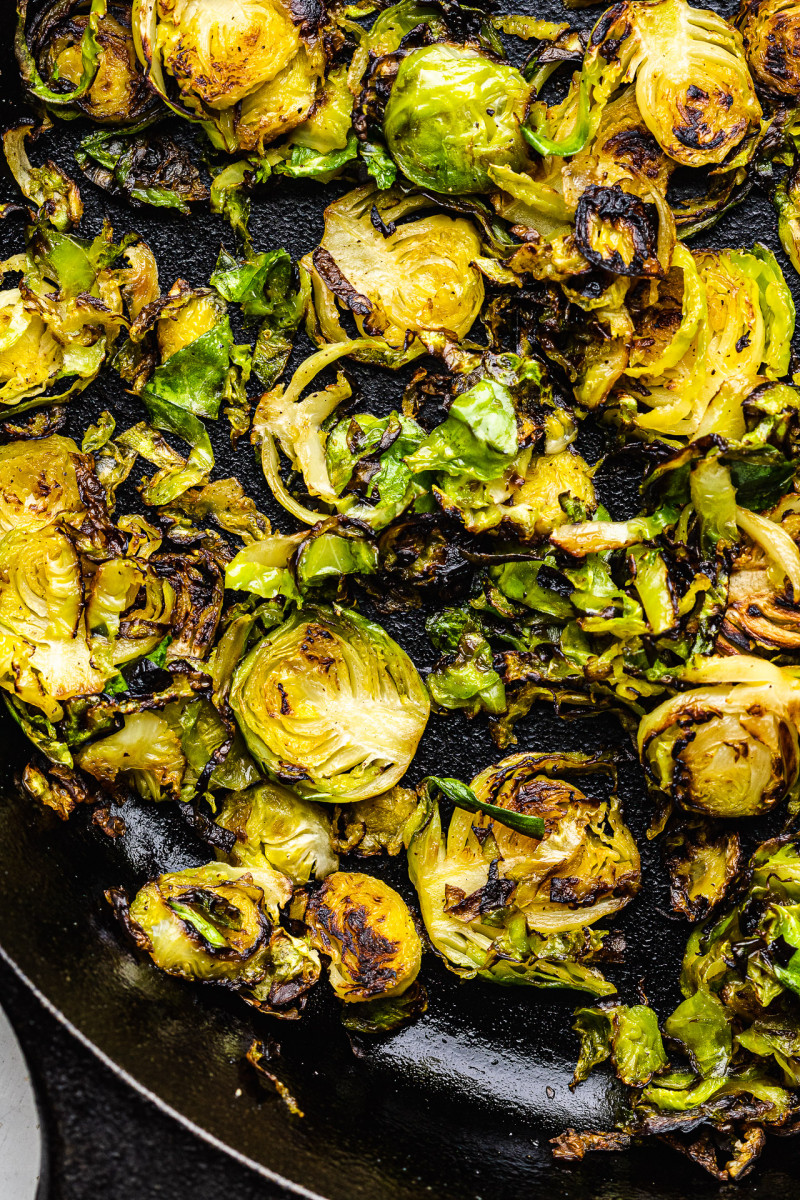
x=460 y=1105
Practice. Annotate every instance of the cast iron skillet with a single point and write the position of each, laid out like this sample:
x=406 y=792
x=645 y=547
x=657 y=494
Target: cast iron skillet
x=461 y=1104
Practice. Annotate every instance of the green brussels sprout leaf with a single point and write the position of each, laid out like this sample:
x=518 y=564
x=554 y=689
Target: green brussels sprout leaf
x=464 y=797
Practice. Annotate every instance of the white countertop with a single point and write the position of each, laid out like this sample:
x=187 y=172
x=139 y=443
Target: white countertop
x=20 y=1135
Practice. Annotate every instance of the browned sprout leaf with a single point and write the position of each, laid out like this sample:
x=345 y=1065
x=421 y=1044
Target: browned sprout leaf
x=702 y=860
x=371 y=827
x=572 y=1146
x=261 y=1053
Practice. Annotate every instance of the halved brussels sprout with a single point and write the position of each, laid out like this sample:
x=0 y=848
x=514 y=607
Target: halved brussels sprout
x=56 y=45
x=364 y=928
x=396 y=279
x=760 y=618
x=329 y=703
x=45 y=653
x=513 y=907
x=702 y=861
x=721 y=319
x=585 y=868
x=146 y=752
x=771 y=34
x=729 y=750
x=452 y=114
x=616 y=231
x=693 y=87
x=64 y=314
x=276 y=828
x=250 y=70
x=211 y=922
x=535 y=496
x=40 y=483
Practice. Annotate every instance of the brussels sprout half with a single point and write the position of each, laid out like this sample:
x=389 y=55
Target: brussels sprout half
x=329 y=703
x=210 y=922
x=396 y=277
x=41 y=482
x=771 y=34
x=276 y=828
x=364 y=928
x=515 y=908
x=725 y=751
x=60 y=45
x=693 y=86
x=249 y=70
x=452 y=114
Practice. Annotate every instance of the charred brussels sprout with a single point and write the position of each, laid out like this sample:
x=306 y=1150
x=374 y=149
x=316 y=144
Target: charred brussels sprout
x=617 y=231
x=41 y=482
x=45 y=652
x=211 y=922
x=329 y=703
x=702 y=861
x=693 y=87
x=146 y=752
x=65 y=312
x=59 y=49
x=396 y=277
x=512 y=906
x=276 y=828
x=365 y=929
x=219 y=923
x=725 y=751
x=452 y=114
x=249 y=70
x=771 y=34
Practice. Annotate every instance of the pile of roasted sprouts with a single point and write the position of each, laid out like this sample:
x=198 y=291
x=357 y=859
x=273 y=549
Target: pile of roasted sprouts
x=530 y=237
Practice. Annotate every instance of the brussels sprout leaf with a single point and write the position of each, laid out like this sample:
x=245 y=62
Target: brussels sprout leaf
x=478 y=438
x=262 y=285
x=464 y=797
x=365 y=456
x=703 y=1025
x=198 y=923
x=305 y=163
x=470 y=680
x=387 y=1013
x=628 y=1034
x=158 y=173
x=379 y=164
x=194 y=378
x=329 y=556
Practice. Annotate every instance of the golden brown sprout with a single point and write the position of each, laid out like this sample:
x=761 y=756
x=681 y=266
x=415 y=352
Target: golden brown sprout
x=419 y=278
x=119 y=93
x=586 y=866
x=702 y=861
x=250 y=70
x=366 y=930
x=39 y=484
x=729 y=750
x=329 y=703
x=771 y=34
